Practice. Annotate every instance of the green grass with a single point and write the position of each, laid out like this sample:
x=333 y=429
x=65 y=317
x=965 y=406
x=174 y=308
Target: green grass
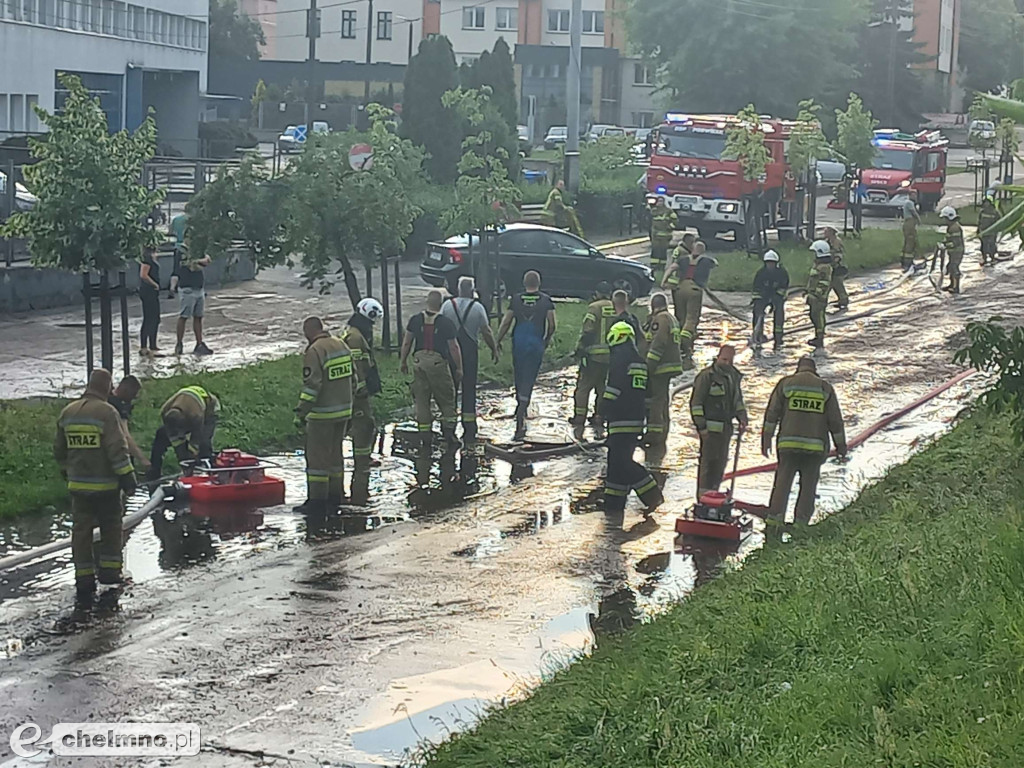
x=968 y=217
x=257 y=404
x=889 y=635
x=874 y=249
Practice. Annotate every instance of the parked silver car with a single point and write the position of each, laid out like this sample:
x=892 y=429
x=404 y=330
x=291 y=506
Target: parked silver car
x=830 y=171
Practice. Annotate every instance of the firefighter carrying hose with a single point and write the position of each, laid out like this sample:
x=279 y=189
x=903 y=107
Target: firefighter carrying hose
x=954 y=245
x=663 y=226
x=592 y=352
x=362 y=429
x=771 y=285
x=819 y=285
x=987 y=218
x=663 y=363
x=622 y=408
x=92 y=451
x=804 y=410
x=189 y=422
x=323 y=412
x=690 y=273
x=715 y=403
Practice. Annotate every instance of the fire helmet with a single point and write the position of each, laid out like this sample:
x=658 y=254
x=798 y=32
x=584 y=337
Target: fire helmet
x=770 y=256
x=371 y=309
x=822 y=250
x=949 y=213
x=620 y=333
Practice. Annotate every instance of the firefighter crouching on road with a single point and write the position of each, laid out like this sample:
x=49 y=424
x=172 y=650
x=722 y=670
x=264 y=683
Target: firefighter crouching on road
x=839 y=270
x=715 y=403
x=663 y=363
x=987 y=217
x=689 y=272
x=911 y=218
x=436 y=364
x=534 y=315
x=954 y=245
x=805 y=411
x=592 y=352
x=771 y=286
x=622 y=408
x=819 y=285
x=663 y=227
x=92 y=451
x=362 y=429
x=323 y=411
x=189 y=423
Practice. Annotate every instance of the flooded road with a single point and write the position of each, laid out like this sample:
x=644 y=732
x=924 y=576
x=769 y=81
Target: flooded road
x=360 y=643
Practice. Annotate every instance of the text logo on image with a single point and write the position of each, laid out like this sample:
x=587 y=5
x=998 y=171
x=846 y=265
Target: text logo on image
x=109 y=739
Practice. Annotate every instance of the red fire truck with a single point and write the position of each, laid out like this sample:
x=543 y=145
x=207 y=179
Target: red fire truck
x=706 y=190
x=903 y=162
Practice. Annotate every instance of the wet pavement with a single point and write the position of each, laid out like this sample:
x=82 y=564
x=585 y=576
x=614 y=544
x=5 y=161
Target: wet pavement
x=464 y=584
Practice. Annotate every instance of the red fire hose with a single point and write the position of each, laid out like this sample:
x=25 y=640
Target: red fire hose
x=871 y=431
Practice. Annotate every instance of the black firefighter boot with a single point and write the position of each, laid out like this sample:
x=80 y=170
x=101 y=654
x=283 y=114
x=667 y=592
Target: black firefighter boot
x=85 y=590
x=686 y=352
x=520 y=434
x=448 y=433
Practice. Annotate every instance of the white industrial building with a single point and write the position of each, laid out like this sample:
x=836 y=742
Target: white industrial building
x=132 y=56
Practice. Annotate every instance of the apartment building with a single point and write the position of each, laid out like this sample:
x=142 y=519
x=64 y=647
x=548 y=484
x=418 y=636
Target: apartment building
x=131 y=55
x=937 y=28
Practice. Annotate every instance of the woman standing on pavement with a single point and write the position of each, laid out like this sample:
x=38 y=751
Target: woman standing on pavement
x=149 y=292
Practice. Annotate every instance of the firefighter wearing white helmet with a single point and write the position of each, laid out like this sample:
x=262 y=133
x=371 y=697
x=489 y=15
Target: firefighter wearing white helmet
x=819 y=285
x=954 y=245
x=771 y=284
x=362 y=429
x=988 y=216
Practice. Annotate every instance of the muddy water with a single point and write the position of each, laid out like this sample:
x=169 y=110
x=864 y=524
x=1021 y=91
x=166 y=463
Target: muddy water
x=354 y=649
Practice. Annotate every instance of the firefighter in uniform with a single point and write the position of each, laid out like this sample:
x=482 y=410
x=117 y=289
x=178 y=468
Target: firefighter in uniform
x=557 y=214
x=323 y=411
x=189 y=422
x=663 y=226
x=663 y=363
x=911 y=219
x=954 y=245
x=92 y=451
x=839 y=270
x=622 y=408
x=819 y=285
x=362 y=429
x=804 y=410
x=692 y=271
x=592 y=352
x=987 y=217
x=437 y=365
x=715 y=403
x=771 y=285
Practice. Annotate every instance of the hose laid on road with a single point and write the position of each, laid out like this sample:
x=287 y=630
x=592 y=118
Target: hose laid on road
x=871 y=431
x=127 y=523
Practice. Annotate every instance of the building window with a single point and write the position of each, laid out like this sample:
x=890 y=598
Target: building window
x=558 y=21
x=384 y=25
x=473 y=17
x=593 y=22
x=29 y=12
x=642 y=75
x=643 y=119
x=348 y=25
x=506 y=19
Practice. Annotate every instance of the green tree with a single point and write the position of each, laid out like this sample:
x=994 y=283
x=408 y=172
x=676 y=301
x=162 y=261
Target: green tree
x=887 y=60
x=425 y=119
x=233 y=35
x=720 y=56
x=807 y=142
x=989 y=31
x=242 y=205
x=92 y=210
x=336 y=214
x=855 y=131
x=495 y=70
x=995 y=349
x=744 y=142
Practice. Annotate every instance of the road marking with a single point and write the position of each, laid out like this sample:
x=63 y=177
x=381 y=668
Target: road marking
x=623 y=243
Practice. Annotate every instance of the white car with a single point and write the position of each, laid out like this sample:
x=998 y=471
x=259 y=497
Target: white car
x=23 y=199
x=982 y=133
x=556 y=137
x=290 y=141
x=830 y=171
x=605 y=131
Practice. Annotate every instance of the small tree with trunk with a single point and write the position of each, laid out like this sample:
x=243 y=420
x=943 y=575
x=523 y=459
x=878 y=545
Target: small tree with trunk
x=744 y=142
x=92 y=211
x=807 y=145
x=336 y=214
x=855 y=133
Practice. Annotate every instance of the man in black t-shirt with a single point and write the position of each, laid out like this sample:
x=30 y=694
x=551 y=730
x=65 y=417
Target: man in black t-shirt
x=192 y=296
x=437 y=366
x=534 y=316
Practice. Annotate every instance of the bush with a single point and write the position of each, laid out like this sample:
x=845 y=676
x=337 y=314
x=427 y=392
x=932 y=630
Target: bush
x=223 y=137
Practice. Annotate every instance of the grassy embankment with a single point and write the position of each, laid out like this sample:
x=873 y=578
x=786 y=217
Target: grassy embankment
x=257 y=413
x=888 y=635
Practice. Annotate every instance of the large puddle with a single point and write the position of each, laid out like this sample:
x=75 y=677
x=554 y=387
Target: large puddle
x=466 y=581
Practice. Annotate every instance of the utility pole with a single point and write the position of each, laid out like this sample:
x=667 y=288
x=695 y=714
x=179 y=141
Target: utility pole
x=369 y=54
x=894 y=7
x=411 y=25
x=312 y=93
x=572 y=100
